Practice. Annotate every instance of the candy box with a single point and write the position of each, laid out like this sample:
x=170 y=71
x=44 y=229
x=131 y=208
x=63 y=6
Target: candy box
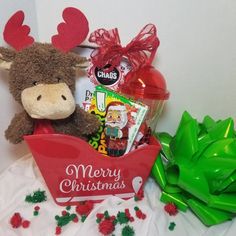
x=121 y=119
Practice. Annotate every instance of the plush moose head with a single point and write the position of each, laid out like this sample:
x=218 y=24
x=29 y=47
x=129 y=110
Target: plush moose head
x=42 y=77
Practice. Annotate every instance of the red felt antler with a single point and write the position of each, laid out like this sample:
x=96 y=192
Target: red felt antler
x=16 y=34
x=72 y=32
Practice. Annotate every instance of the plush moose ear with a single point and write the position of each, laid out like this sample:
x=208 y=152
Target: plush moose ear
x=6 y=57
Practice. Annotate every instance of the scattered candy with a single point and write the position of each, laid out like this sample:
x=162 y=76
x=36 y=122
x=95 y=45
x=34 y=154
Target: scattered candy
x=127 y=231
x=122 y=218
x=139 y=196
x=36 y=213
x=76 y=219
x=106 y=223
x=37 y=196
x=139 y=213
x=106 y=215
x=64 y=219
x=106 y=227
x=64 y=213
x=26 y=224
x=100 y=215
x=84 y=208
x=83 y=218
x=172 y=226
x=131 y=218
x=171 y=209
x=58 y=230
x=16 y=220
x=36 y=210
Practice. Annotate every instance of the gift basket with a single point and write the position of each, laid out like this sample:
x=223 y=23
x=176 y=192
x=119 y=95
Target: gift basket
x=85 y=152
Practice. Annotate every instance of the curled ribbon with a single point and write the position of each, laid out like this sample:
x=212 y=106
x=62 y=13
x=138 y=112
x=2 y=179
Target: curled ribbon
x=201 y=168
x=110 y=52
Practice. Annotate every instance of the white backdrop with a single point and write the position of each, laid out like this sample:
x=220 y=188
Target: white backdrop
x=197 y=54
x=8 y=152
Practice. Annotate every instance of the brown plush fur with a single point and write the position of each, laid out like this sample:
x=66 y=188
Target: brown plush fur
x=22 y=124
x=42 y=63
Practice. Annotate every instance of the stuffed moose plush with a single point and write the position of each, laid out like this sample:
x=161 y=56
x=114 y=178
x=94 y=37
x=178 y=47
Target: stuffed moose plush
x=42 y=77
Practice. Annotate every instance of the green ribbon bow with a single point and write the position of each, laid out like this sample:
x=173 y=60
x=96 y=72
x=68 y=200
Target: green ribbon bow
x=197 y=168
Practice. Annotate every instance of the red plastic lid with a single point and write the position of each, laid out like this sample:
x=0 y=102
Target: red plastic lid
x=146 y=83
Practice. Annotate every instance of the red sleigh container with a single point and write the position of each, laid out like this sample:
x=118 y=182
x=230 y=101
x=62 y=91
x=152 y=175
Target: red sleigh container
x=74 y=171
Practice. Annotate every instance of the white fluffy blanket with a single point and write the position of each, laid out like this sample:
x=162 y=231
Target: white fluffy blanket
x=23 y=177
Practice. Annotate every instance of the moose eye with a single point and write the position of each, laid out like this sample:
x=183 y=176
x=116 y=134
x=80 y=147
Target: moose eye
x=35 y=83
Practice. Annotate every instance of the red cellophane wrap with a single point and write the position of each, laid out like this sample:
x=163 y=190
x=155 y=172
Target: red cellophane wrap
x=139 y=51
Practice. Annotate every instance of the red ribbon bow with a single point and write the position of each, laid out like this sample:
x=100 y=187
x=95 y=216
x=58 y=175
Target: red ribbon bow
x=110 y=51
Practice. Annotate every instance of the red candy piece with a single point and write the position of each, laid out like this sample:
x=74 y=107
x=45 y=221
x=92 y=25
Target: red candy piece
x=16 y=220
x=127 y=213
x=76 y=219
x=131 y=219
x=64 y=213
x=171 y=209
x=25 y=224
x=84 y=208
x=36 y=208
x=143 y=216
x=58 y=230
x=139 y=214
x=106 y=227
x=100 y=215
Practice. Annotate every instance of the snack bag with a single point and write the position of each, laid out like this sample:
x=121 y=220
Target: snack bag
x=93 y=76
x=121 y=119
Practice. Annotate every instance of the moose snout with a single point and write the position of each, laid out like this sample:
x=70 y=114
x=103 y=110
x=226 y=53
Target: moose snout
x=40 y=96
x=48 y=101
